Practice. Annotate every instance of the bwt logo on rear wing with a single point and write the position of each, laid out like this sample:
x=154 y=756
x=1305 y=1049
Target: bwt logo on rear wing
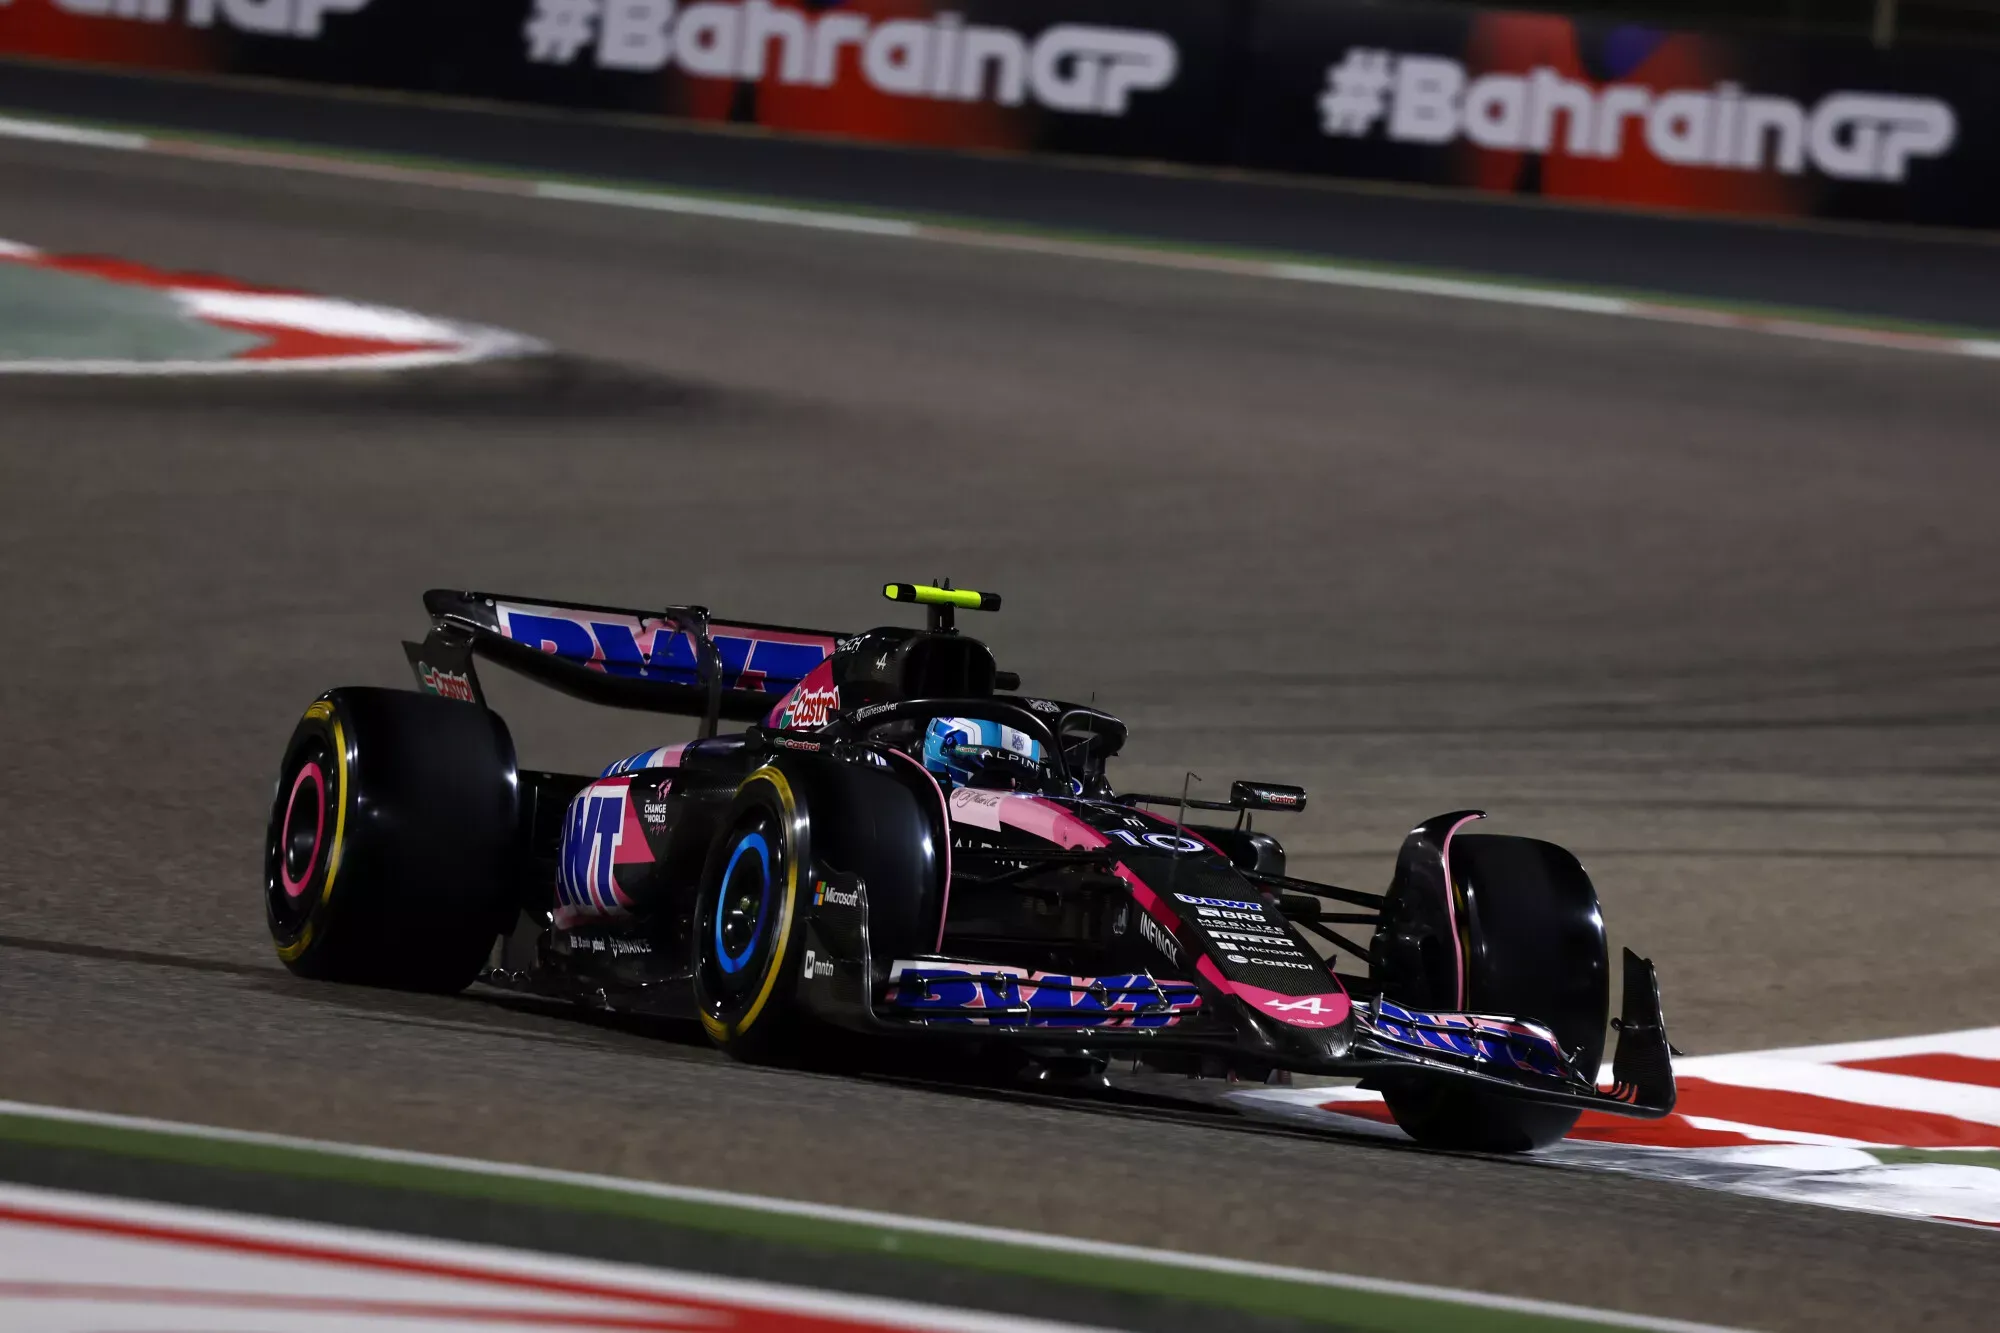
x=767 y=661
x=635 y=658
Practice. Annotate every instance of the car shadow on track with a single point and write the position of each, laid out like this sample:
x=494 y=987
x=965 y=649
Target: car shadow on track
x=555 y=386
x=964 y=1073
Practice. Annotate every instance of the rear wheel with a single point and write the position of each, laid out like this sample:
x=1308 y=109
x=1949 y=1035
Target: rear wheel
x=749 y=935
x=1531 y=945
x=390 y=853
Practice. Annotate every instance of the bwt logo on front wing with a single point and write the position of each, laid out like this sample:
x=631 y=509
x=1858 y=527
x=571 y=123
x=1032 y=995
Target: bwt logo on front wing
x=1069 y=67
x=1429 y=100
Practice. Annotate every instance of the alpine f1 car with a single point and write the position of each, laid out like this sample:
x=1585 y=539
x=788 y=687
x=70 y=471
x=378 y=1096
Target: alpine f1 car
x=901 y=843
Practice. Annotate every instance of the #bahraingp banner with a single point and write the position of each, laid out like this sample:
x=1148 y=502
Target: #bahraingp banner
x=1549 y=105
x=1522 y=103
x=1127 y=77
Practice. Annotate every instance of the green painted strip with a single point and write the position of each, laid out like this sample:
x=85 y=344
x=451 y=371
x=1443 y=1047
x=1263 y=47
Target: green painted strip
x=1138 y=247
x=1321 y=1298
x=1986 y=1157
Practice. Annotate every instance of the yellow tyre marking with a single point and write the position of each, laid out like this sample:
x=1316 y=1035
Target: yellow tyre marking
x=715 y=1027
x=290 y=952
x=340 y=813
x=323 y=712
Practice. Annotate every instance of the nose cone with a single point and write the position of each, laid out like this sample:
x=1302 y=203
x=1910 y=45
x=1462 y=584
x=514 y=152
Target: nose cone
x=1312 y=1027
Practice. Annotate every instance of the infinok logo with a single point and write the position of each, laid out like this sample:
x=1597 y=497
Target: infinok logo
x=267 y=18
x=1069 y=67
x=1429 y=100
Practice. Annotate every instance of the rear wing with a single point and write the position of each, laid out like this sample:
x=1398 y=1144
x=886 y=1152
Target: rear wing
x=672 y=660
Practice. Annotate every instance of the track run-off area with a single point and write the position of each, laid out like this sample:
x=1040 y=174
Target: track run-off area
x=1700 y=602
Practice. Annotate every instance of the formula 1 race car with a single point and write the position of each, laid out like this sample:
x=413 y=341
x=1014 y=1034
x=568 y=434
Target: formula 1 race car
x=902 y=844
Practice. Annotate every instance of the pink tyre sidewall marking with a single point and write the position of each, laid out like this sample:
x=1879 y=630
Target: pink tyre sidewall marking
x=310 y=773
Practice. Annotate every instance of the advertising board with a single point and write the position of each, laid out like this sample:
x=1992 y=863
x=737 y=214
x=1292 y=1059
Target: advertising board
x=1513 y=102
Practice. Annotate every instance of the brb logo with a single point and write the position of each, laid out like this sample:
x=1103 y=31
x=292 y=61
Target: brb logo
x=266 y=18
x=1429 y=100
x=1072 y=67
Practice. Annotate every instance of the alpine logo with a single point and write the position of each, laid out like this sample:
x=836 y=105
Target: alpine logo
x=1316 y=1005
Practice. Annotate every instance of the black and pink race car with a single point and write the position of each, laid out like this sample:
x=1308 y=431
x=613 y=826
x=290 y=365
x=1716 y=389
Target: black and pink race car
x=902 y=844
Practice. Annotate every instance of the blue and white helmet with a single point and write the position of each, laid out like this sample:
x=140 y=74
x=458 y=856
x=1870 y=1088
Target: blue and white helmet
x=945 y=734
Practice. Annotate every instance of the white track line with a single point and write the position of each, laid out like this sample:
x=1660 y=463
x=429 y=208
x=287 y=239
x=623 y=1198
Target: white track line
x=201 y=1254
x=1978 y=1043
x=48 y=131
x=698 y=206
x=840 y=1216
x=1458 y=289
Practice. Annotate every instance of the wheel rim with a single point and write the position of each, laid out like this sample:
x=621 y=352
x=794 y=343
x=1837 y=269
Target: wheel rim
x=740 y=926
x=302 y=832
x=744 y=904
x=301 y=829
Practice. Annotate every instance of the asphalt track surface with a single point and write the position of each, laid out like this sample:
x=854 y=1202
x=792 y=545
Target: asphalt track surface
x=1714 y=609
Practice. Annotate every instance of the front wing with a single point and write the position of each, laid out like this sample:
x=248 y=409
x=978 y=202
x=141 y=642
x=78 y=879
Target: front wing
x=1380 y=1040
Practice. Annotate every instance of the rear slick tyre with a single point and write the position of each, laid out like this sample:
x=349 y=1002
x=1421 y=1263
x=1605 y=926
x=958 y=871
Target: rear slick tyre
x=749 y=928
x=391 y=848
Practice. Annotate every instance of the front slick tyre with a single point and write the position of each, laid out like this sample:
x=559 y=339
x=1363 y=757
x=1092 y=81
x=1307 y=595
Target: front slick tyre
x=749 y=930
x=1536 y=949
x=387 y=861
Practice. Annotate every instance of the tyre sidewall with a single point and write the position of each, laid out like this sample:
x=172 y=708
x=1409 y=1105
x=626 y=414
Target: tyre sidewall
x=757 y=1016
x=302 y=922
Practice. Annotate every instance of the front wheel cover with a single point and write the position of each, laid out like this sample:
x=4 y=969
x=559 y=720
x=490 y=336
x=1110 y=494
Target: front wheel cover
x=748 y=926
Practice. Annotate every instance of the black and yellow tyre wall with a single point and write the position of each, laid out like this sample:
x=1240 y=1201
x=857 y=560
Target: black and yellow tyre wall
x=749 y=927
x=393 y=846
x=883 y=824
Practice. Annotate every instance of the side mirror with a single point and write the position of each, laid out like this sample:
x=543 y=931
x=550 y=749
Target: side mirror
x=1266 y=796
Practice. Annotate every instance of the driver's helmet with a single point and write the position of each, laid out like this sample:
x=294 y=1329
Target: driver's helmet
x=972 y=752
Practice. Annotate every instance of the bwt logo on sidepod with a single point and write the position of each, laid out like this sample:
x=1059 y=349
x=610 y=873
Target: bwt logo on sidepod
x=593 y=828
x=1075 y=67
x=1426 y=99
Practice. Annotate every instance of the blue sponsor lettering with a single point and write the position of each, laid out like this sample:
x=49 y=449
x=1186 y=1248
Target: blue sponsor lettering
x=621 y=650
x=748 y=662
x=592 y=830
x=1221 y=902
x=1053 y=1000
x=1511 y=1047
x=552 y=634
